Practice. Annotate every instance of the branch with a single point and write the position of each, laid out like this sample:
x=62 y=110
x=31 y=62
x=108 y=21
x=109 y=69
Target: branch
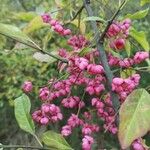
x=23 y=146
x=78 y=12
x=38 y=140
x=34 y=46
x=111 y=21
x=103 y=57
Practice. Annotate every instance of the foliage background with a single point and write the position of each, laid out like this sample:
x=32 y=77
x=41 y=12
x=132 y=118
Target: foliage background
x=17 y=63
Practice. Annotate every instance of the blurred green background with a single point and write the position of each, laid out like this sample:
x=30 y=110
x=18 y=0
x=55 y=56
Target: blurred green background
x=17 y=63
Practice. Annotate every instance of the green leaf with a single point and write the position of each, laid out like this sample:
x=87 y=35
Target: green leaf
x=16 y=34
x=2 y=41
x=25 y=16
x=127 y=73
x=82 y=25
x=116 y=54
x=128 y=47
x=134 y=117
x=35 y=24
x=94 y=18
x=143 y=2
x=138 y=15
x=59 y=3
x=46 y=39
x=44 y=57
x=55 y=140
x=140 y=37
x=22 y=114
x=84 y=51
x=13 y=32
x=41 y=57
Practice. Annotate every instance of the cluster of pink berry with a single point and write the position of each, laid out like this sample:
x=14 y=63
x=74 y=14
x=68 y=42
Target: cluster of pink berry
x=95 y=86
x=138 y=58
x=87 y=130
x=117 y=34
x=60 y=89
x=106 y=112
x=78 y=42
x=80 y=64
x=72 y=102
x=86 y=78
x=124 y=87
x=72 y=122
x=48 y=113
x=56 y=25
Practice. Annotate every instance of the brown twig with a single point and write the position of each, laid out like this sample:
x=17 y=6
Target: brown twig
x=34 y=46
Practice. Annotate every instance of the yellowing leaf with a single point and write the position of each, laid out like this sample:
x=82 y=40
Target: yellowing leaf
x=34 y=24
x=59 y=3
x=134 y=117
x=25 y=16
x=82 y=25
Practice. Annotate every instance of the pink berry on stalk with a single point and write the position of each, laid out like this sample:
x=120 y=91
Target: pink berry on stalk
x=44 y=121
x=118 y=44
x=67 y=32
x=27 y=86
x=46 y=18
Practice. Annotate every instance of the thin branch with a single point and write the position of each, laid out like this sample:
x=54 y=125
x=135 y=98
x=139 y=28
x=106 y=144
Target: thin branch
x=77 y=13
x=59 y=9
x=34 y=46
x=111 y=122
x=24 y=146
x=56 y=10
x=79 y=107
x=106 y=6
x=111 y=21
x=103 y=57
x=38 y=140
x=138 y=68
